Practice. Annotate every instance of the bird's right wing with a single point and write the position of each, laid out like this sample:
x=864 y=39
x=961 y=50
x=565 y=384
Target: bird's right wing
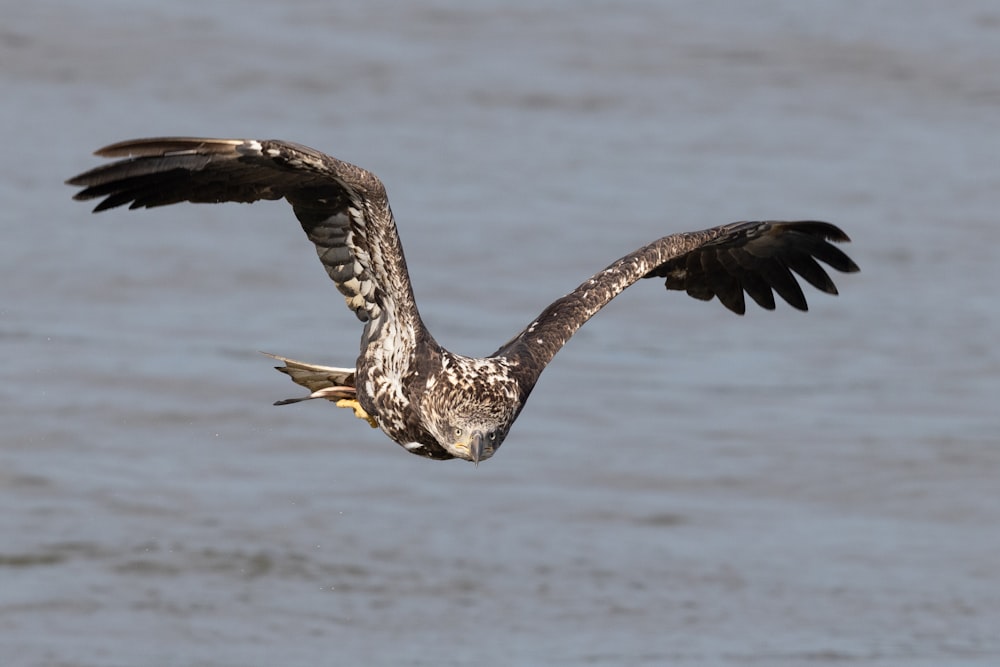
x=342 y=208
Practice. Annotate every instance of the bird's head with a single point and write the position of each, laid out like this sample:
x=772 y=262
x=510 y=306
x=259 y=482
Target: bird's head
x=471 y=440
x=472 y=425
x=471 y=407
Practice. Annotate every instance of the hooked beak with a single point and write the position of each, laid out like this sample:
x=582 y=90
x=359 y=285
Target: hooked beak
x=476 y=448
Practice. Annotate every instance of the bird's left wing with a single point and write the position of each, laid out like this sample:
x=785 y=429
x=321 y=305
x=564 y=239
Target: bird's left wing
x=343 y=208
x=723 y=262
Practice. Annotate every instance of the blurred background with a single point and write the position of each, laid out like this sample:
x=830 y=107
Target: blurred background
x=685 y=487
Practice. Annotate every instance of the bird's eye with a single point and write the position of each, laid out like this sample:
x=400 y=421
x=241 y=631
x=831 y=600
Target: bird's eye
x=492 y=435
x=458 y=432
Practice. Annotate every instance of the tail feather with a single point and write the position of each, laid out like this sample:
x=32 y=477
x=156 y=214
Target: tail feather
x=327 y=382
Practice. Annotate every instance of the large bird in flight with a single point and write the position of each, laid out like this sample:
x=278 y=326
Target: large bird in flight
x=433 y=402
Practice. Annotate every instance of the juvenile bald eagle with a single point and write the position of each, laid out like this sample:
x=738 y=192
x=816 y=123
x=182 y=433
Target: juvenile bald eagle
x=431 y=401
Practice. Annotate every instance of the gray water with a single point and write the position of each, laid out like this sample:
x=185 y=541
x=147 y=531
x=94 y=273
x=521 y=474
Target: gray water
x=685 y=487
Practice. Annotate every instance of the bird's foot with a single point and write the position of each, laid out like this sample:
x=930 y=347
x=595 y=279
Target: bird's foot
x=359 y=411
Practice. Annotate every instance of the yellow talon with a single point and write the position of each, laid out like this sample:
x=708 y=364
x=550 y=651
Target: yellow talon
x=359 y=411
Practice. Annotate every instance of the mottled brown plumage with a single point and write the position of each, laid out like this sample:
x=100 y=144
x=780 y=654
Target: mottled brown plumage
x=431 y=401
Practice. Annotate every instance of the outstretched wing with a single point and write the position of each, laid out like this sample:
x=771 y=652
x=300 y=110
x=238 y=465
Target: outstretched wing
x=723 y=262
x=342 y=208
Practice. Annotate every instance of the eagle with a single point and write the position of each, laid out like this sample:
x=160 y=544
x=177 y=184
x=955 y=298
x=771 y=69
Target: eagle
x=434 y=402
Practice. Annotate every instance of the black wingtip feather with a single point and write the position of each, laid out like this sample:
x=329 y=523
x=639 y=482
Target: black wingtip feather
x=759 y=259
x=825 y=230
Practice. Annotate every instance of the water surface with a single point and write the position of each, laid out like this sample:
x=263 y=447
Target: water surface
x=685 y=487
